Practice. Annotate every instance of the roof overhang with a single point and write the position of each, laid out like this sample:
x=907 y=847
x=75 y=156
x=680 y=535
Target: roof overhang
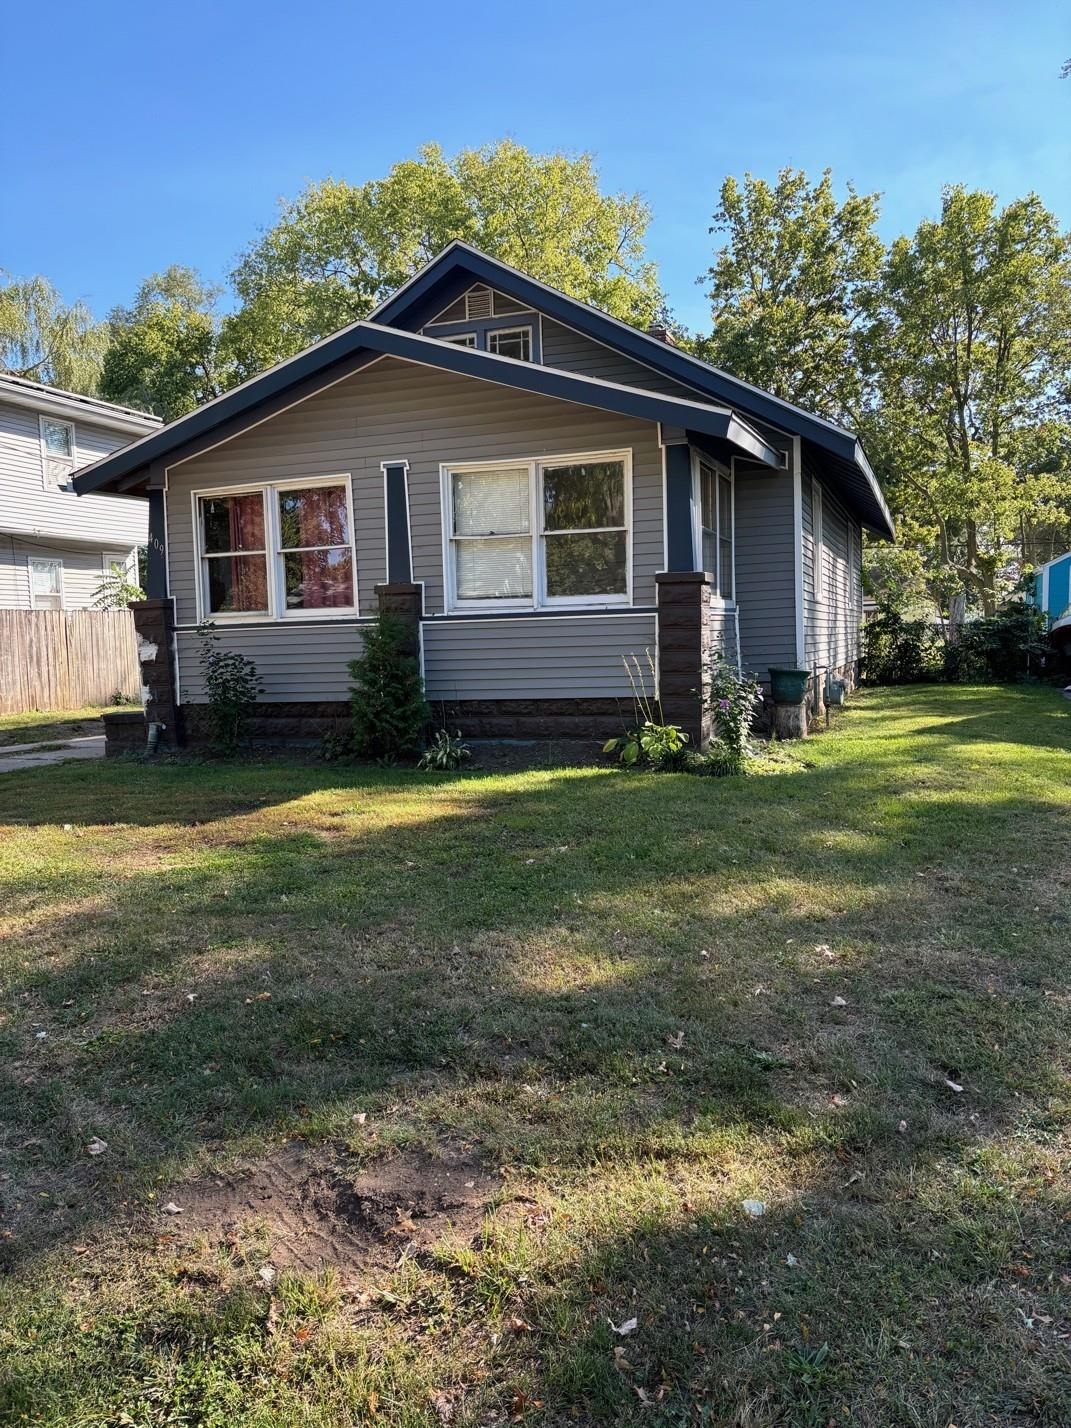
x=71 y=406
x=458 y=266
x=128 y=470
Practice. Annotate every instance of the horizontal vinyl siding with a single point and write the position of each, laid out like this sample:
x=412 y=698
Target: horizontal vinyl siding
x=831 y=625
x=766 y=570
x=27 y=507
x=396 y=410
x=83 y=570
x=573 y=352
x=723 y=632
x=535 y=657
x=304 y=663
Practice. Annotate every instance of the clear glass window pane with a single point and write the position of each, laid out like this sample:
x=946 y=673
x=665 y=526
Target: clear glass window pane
x=491 y=502
x=725 y=578
x=587 y=564
x=725 y=507
x=463 y=339
x=237 y=583
x=233 y=522
x=316 y=516
x=318 y=579
x=710 y=551
x=45 y=575
x=494 y=569
x=583 y=496
x=516 y=343
x=59 y=438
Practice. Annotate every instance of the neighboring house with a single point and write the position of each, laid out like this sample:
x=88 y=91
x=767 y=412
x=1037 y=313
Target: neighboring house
x=1051 y=593
x=54 y=548
x=540 y=489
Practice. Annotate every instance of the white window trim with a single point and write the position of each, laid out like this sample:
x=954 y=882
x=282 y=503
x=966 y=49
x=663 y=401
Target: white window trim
x=512 y=332
x=539 y=599
x=698 y=459
x=462 y=339
x=31 y=561
x=277 y=613
x=70 y=463
x=818 y=572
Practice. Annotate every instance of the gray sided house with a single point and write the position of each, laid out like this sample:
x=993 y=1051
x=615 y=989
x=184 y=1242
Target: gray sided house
x=540 y=491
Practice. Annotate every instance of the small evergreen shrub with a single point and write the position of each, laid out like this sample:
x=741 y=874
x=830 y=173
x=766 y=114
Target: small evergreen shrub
x=387 y=694
x=232 y=686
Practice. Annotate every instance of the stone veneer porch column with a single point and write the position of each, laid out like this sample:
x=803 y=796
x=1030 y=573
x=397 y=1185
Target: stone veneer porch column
x=684 y=651
x=154 y=626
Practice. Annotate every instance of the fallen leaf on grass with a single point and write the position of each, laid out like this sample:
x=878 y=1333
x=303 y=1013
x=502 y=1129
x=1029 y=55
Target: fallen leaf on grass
x=519 y=1326
x=954 y=1086
x=620 y=1362
x=838 y=1002
x=628 y=1327
x=266 y=1274
x=171 y=1208
x=96 y=1146
x=443 y=1404
x=676 y=1041
x=754 y=1208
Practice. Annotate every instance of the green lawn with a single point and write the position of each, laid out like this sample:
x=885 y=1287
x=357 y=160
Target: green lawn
x=623 y=1004
x=38 y=726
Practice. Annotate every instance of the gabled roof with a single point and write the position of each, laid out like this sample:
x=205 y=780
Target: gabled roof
x=127 y=470
x=459 y=265
x=73 y=406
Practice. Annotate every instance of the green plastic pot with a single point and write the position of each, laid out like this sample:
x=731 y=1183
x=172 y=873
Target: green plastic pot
x=789 y=686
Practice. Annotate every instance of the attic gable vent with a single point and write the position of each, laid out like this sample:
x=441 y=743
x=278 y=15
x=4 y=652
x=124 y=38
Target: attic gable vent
x=477 y=303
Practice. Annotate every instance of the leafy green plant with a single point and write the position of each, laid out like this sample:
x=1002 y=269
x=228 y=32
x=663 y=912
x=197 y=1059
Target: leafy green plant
x=336 y=746
x=115 y=590
x=1004 y=647
x=232 y=685
x=387 y=694
x=734 y=698
x=446 y=751
x=901 y=651
x=650 y=740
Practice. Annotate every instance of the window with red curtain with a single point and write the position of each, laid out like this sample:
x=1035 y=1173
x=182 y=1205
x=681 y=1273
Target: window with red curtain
x=235 y=556
x=314 y=547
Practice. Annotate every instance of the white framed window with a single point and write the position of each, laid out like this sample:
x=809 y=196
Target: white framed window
x=46 y=584
x=461 y=339
x=539 y=533
x=511 y=342
x=57 y=452
x=714 y=506
x=817 y=543
x=279 y=551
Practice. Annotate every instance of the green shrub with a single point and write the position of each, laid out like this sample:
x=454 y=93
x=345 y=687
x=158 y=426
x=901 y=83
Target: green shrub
x=387 y=694
x=899 y=651
x=232 y=686
x=734 y=697
x=1003 y=647
x=660 y=745
x=446 y=751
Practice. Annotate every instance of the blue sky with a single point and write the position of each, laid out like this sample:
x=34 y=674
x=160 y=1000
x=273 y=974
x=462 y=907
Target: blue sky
x=142 y=139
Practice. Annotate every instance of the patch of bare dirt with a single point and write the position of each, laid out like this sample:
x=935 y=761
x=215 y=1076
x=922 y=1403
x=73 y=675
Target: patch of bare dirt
x=322 y=1208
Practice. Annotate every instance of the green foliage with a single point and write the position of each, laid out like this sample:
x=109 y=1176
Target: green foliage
x=734 y=698
x=897 y=650
x=1003 y=647
x=387 y=694
x=165 y=355
x=232 y=686
x=47 y=340
x=446 y=751
x=339 y=249
x=115 y=590
x=661 y=746
x=792 y=288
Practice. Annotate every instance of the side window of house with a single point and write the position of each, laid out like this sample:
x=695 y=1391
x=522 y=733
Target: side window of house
x=817 y=542
x=716 y=527
x=57 y=452
x=511 y=342
x=539 y=533
x=277 y=551
x=46 y=584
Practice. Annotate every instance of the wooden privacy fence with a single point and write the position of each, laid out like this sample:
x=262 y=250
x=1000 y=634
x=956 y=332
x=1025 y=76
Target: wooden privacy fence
x=55 y=659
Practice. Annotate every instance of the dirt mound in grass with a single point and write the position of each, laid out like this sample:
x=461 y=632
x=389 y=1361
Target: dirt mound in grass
x=322 y=1208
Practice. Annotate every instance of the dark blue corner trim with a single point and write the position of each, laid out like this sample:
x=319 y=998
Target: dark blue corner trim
x=399 y=555
x=156 y=553
x=679 y=527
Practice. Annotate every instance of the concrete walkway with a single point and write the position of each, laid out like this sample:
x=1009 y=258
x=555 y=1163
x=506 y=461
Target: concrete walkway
x=90 y=746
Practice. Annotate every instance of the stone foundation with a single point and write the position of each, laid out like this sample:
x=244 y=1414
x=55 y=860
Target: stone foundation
x=125 y=731
x=557 y=719
x=276 y=724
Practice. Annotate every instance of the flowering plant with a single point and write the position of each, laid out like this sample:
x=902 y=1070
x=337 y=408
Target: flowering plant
x=734 y=697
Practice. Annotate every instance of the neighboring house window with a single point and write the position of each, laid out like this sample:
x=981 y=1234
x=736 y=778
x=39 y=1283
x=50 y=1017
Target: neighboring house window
x=511 y=342
x=716 y=527
x=462 y=339
x=46 y=584
x=817 y=542
x=284 y=549
x=540 y=532
x=57 y=451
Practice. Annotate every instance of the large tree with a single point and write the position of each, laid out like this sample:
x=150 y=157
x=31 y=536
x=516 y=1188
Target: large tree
x=974 y=348
x=339 y=249
x=46 y=339
x=793 y=289
x=165 y=355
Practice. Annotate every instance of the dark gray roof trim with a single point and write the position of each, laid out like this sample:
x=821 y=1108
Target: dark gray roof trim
x=124 y=466
x=459 y=265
